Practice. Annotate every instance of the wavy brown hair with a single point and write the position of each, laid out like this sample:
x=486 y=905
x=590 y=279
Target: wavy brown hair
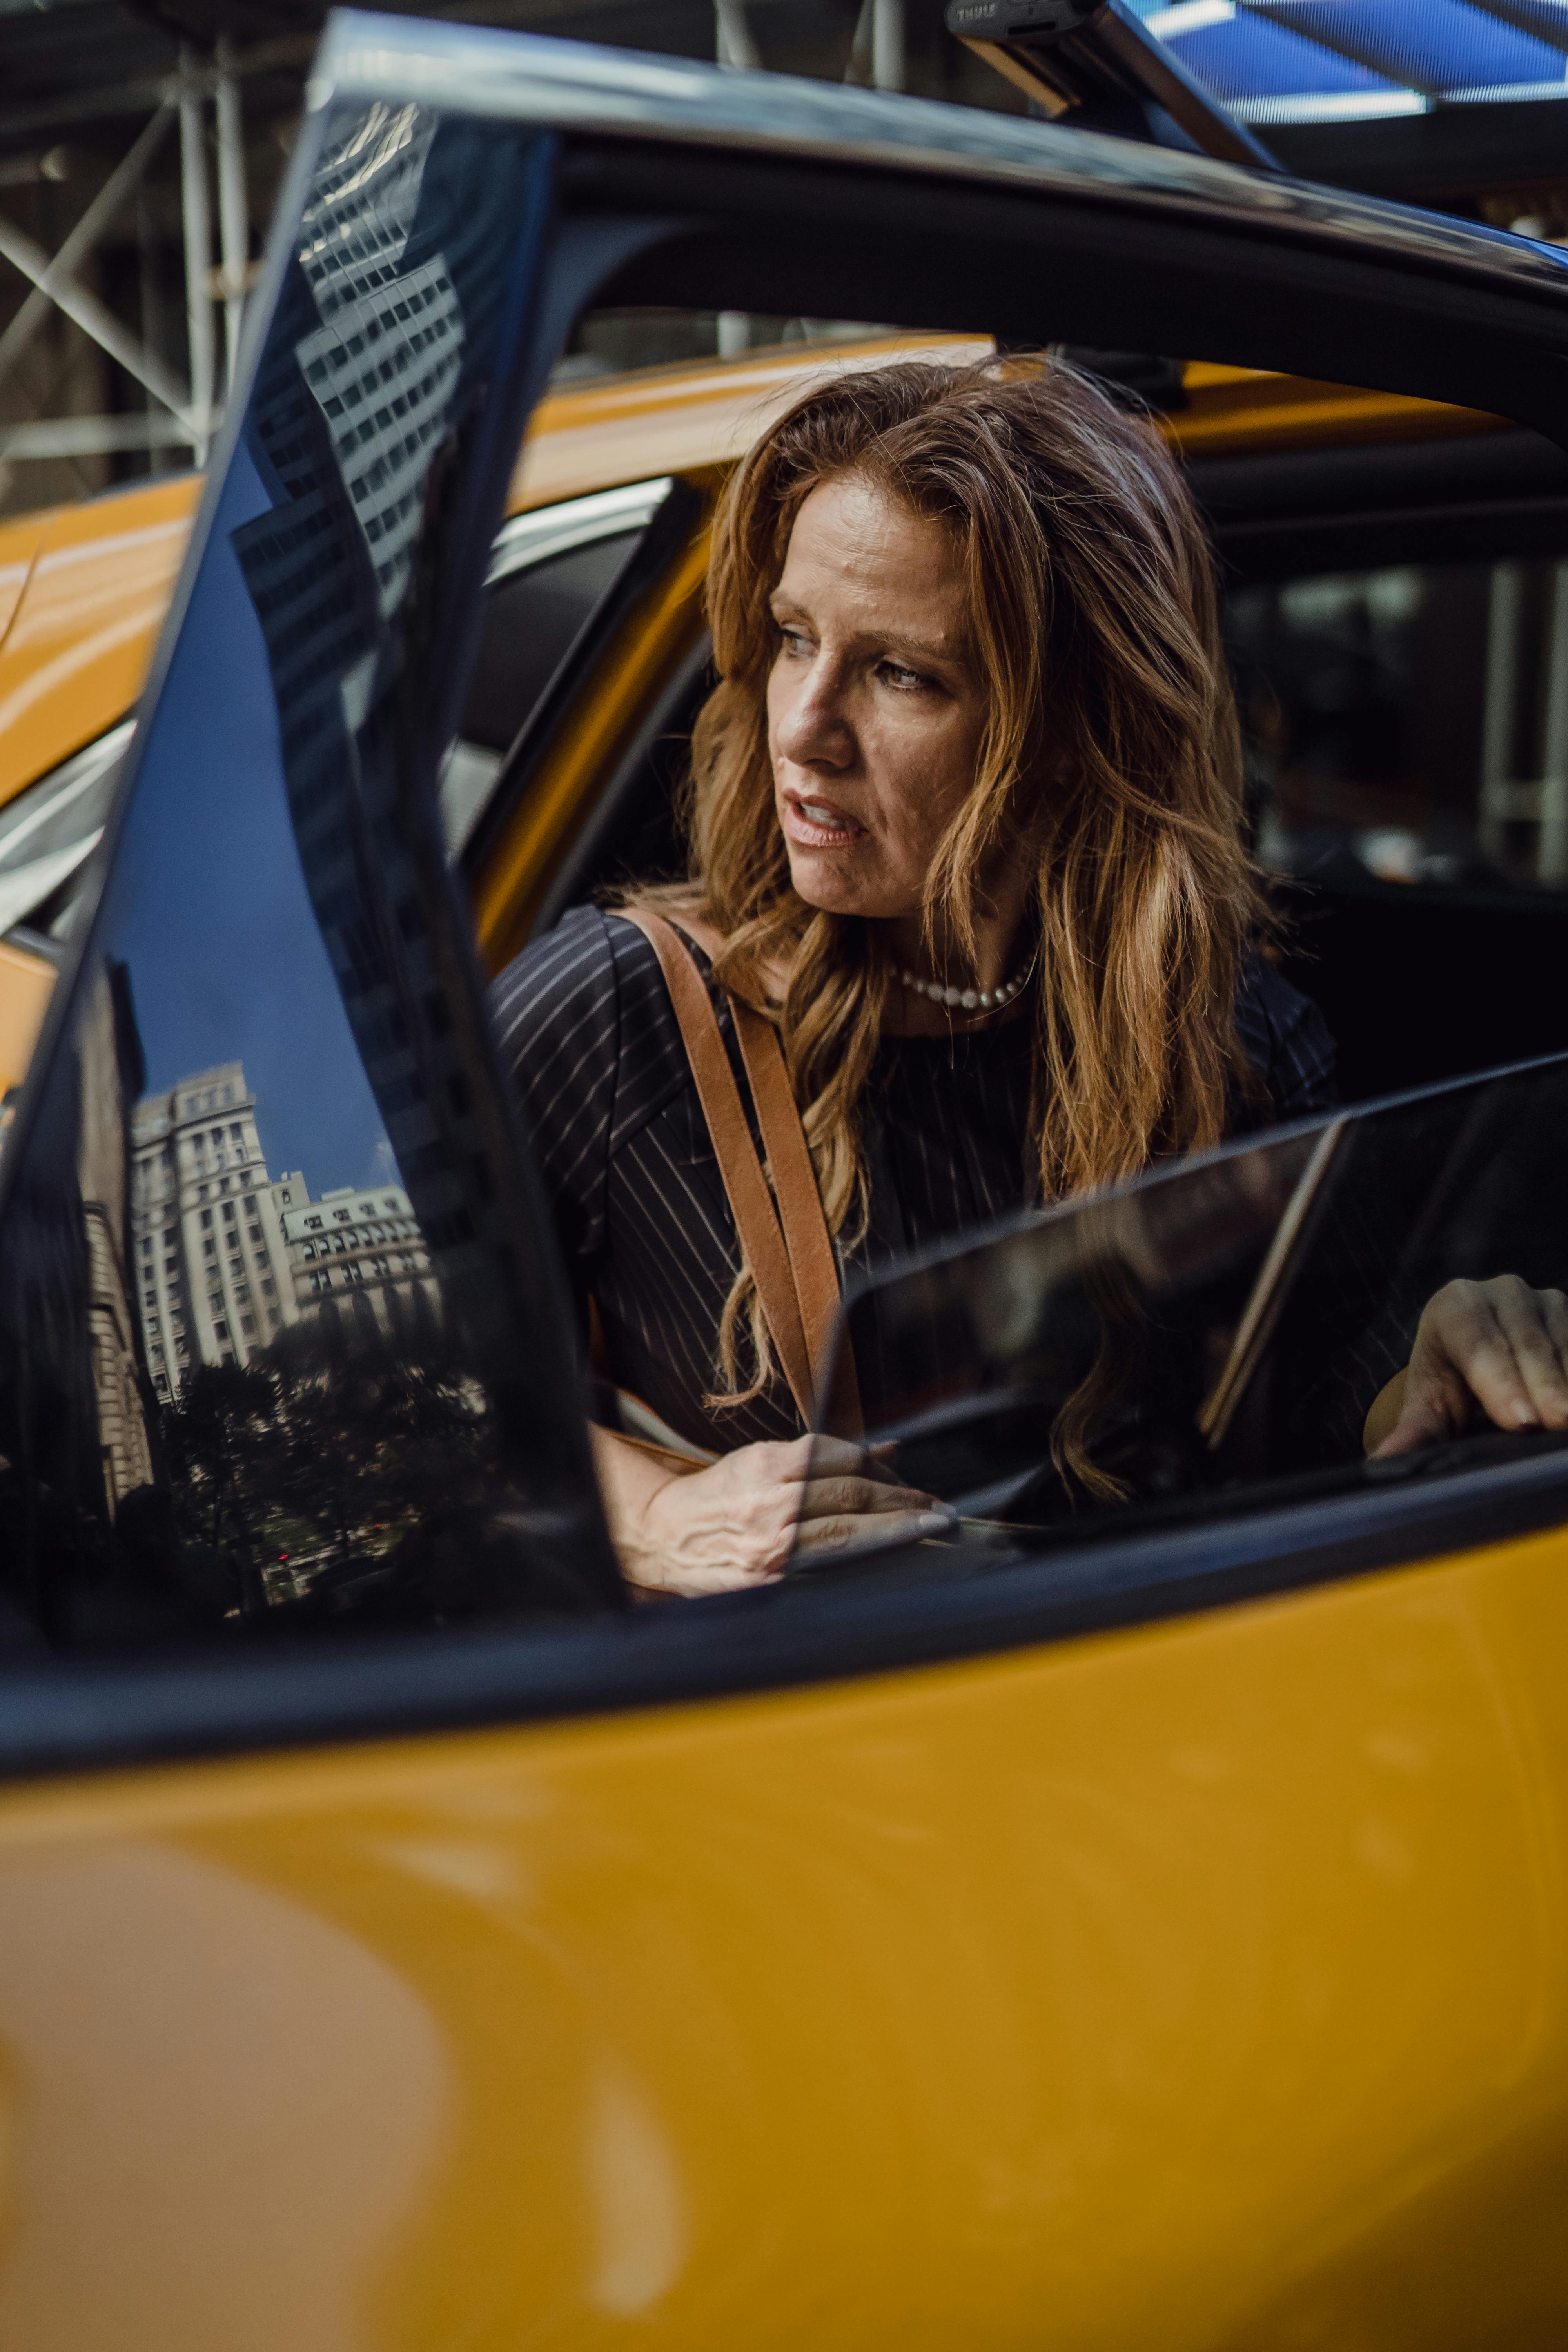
x=1111 y=751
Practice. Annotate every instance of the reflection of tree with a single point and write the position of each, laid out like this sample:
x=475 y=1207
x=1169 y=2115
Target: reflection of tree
x=349 y=1471
x=223 y=1441
x=379 y=1434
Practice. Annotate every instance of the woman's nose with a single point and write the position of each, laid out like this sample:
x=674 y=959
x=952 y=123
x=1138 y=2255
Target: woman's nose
x=813 y=728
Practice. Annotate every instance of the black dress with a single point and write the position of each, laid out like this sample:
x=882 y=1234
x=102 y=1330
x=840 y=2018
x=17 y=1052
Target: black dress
x=586 y=1029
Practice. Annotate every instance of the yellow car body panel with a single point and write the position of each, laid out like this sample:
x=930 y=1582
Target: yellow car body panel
x=19 y=544
x=1231 y=410
x=704 y=412
x=75 y=655
x=569 y=2035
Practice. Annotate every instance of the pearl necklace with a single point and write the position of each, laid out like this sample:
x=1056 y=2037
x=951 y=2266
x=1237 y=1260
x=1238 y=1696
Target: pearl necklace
x=969 y=1000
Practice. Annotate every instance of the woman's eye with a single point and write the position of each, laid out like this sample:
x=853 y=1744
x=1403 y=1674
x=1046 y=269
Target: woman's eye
x=794 y=641
x=907 y=680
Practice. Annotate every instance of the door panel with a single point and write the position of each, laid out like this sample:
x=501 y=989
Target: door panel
x=1201 y=1986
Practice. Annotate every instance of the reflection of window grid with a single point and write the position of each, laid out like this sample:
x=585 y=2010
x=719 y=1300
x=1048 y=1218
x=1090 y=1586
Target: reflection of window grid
x=384 y=362
x=385 y=394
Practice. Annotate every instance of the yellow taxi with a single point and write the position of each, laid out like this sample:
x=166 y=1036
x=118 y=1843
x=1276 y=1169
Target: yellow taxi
x=1138 y=1926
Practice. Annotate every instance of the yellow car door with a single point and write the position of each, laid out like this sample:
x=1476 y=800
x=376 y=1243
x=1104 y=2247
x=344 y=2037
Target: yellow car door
x=1149 y=1929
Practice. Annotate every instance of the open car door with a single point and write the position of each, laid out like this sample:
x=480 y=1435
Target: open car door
x=404 y=1943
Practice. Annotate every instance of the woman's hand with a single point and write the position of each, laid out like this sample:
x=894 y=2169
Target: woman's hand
x=1498 y=1345
x=738 y=1522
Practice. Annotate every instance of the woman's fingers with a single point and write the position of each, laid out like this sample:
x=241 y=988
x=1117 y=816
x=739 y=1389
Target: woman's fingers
x=1493 y=1335
x=1467 y=1336
x=1498 y=1344
x=831 y=1457
x=859 y=1531
x=823 y=1498
x=738 y=1521
x=1527 y=1325
x=1427 y=1416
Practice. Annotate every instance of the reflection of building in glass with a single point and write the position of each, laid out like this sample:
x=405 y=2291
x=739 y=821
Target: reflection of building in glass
x=380 y=371
x=108 y=1057
x=364 y=1244
x=224 y=1256
x=384 y=362
x=211 y=1262
x=381 y=339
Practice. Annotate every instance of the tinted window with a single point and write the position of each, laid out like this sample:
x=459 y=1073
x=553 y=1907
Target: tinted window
x=325 y=1422
x=1214 y=1336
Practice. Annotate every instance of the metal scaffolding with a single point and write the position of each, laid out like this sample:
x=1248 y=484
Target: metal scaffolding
x=179 y=413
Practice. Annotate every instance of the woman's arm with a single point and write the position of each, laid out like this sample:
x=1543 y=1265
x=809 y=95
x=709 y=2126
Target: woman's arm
x=738 y=1521
x=1497 y=1346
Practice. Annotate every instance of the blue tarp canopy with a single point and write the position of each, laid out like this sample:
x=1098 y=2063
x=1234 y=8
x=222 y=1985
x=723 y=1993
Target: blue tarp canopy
x=1347 y=60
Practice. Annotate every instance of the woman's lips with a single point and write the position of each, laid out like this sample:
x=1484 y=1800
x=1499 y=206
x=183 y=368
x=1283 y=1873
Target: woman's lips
x=817 y=824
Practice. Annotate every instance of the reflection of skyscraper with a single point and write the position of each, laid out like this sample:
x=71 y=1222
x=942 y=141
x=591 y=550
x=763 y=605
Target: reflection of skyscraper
x=376 y=364
x=224 y=1256
x=383 y=334
x=384 y=364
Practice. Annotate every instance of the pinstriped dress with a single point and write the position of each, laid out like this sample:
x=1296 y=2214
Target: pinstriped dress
x=586 y=1028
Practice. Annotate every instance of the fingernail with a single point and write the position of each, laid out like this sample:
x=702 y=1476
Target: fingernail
x=1525 y=1416
x=937 y=1523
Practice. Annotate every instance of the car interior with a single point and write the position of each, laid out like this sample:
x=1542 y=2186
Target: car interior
x=1395 y=614
x=1397 y=619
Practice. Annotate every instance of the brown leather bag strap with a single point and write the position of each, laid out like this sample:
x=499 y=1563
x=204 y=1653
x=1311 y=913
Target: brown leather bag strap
x=806 y=1237
x=799 y=1203
x=750 y=1203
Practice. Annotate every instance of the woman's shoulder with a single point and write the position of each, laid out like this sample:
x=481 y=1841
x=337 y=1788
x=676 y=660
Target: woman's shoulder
x=586 y=1006
x=1287 y=1039
x=585 y=968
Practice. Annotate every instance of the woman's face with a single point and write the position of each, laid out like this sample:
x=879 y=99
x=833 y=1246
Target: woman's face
x=875 y=714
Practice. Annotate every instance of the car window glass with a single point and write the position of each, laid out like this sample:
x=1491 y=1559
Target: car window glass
x=530 y=619
x=1214 y=1338
x=270 y=1270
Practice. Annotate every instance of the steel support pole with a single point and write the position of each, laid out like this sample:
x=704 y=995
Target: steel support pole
x=1498 y=793
x=733 y=42
x=1551 y=842
x=887 y=44
x=734 y=46
x=234 y=218
x=196 y=215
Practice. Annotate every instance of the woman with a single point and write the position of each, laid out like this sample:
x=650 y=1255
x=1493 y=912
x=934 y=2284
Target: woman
x=966 y=825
